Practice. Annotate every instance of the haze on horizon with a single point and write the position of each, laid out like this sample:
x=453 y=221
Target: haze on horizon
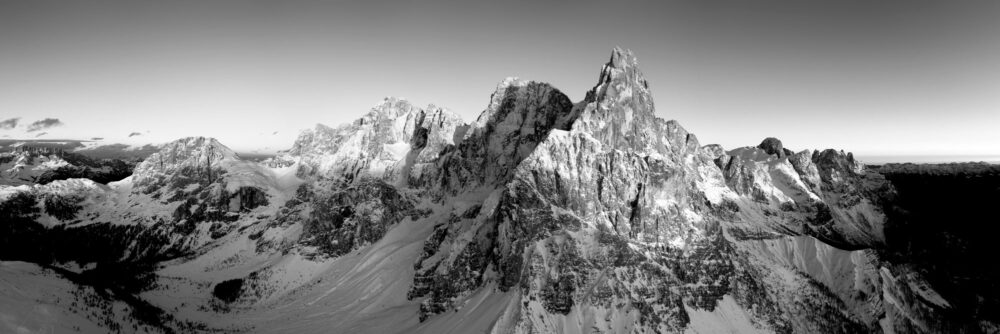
x=877 y=78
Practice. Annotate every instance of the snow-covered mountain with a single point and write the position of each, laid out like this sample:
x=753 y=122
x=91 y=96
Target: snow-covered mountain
x=29 y=164
x=542 y=215
x=24 y=167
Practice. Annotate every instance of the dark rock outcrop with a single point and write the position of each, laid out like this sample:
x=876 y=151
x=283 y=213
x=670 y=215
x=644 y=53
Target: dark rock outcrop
x=349 y=218
x=520 y=115
x=247 y=198
x=773 y=146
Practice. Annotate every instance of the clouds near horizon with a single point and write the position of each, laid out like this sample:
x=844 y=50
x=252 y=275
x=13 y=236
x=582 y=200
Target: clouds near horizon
x=44 y=124
x=9 y=123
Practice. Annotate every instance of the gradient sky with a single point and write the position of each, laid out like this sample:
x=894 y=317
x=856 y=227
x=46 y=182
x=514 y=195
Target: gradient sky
x=872 y=77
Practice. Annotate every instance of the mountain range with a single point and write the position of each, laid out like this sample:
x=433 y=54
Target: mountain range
x=543 y=215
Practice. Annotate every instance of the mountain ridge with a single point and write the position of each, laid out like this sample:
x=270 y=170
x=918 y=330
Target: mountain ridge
x=540 y=215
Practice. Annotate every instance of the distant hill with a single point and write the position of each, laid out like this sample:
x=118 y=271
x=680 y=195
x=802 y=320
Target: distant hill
x=89 y=148
x=9 y=145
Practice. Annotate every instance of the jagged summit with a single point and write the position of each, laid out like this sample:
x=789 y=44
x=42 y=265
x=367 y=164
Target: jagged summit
x=389 y=108
x=184 y=156
x=620 y=109
x=513 y=90
x=510 y=81
x=520 y=115
x=774 y=147
x=620 y=76
x=621 y=57
x=835 y=166
x=190 y=150
x=325 y=139
x=384 y=143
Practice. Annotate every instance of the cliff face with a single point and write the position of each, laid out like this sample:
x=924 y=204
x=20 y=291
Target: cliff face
x=521 y=114
x=540 y=216
x=622 y=218
x=389 y=143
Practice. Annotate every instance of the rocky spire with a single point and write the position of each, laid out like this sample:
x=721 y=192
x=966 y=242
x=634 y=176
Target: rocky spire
x=621 y=80
x=619 y=111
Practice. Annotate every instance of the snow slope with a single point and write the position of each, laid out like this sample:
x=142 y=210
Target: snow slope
x=39 y=300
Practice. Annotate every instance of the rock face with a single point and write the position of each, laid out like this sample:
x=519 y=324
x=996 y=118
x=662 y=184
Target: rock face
x=808 y=193
x=773 y=146
x=520 y=115
x=196 y=158
x=619 y=112
x=392 y=141
x=542 y=215
x=623 y=215
x=355 y=216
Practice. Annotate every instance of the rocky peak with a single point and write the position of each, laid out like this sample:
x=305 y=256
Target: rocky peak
x=774 y=147
x=619 y=111
x=622 y=68
x=190 y=151
x=524 y=98
x=835 y=165
x=388 y=119
x=382 y=144
x=714 y=151
x=520 y=115
x=620 y=79
x=619 y=177
x=436 y=129
x=311 y=139
x=390 y=109
x=193 y=157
